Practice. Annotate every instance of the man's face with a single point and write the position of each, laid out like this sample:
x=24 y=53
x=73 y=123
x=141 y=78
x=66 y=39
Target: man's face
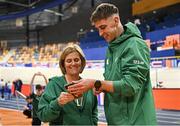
x=29 y=100
x=107 y=28
x=39 y=92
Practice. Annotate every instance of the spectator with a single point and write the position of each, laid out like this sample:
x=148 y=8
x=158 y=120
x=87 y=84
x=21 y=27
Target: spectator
x=35 y=100
x=28 y=108
x=17 y=85
x=7 y=89
x=2 y=88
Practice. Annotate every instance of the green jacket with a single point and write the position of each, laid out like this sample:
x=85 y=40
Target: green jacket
x=127 y=64
x=70 y=114
x=35 y=104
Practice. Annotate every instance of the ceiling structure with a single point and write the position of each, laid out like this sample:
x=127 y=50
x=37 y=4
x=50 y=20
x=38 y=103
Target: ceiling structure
x=13 y=20
x=39 y=12
x=46 y=13
x=21 y=20
x=12 y=6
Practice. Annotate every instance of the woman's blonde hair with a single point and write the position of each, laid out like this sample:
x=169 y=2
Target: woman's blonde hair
x=70 y=49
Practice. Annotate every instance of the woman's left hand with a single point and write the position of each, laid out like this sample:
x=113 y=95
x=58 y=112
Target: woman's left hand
x=65 y=97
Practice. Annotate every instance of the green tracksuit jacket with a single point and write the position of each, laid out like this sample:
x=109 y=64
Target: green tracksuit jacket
x=50 y=111
x=127 y=64
x=35 y=105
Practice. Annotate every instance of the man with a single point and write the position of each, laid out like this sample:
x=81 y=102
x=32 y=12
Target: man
x=17 y=85
x=28 y=108
x=128 y=93
x=2 y=89
x=36 y=97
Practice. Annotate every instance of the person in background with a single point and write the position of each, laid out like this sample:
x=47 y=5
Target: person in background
x=127 y=85
x=17 y=85
x=28 y=108
x=58 y=106
x=2 y=89
x=35 y=100
x=14 y=89
x=7 y=89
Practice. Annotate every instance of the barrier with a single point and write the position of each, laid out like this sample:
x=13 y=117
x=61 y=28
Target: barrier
x=167 y=98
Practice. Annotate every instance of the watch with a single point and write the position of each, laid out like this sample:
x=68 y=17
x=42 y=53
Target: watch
x=97 y=84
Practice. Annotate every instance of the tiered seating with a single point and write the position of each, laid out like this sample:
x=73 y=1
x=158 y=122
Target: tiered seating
x=3 y=53
x=166 y=53
x=92 y=40
x=172 y=41
x=159 y=23
x=34 y=55
x=161 y=34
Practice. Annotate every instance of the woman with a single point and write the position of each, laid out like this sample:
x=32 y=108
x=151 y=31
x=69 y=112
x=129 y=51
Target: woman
x=59 y=107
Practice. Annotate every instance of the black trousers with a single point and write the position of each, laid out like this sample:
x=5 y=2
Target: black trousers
x=2 y=92
x=27 y=112
x=36 y=121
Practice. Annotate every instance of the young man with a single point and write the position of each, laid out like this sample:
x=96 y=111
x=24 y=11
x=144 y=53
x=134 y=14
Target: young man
x=36 y=97
x=128 y=93
x=2 y=89
x=28 y=108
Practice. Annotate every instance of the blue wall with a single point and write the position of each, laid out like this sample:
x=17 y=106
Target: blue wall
x=161 y=34
x=95 y=53
x=163 y=53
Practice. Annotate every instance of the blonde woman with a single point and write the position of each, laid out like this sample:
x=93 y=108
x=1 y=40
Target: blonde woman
x=59 y=107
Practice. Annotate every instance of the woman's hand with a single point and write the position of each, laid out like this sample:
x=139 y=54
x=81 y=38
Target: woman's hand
x=65 y=97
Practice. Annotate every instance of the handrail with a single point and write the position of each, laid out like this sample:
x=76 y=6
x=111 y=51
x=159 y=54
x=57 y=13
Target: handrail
x=168 y=57
x=32 y=80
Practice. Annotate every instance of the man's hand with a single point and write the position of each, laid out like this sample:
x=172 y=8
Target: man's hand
x=81 y=86
x=25 y=107
x=64 y=98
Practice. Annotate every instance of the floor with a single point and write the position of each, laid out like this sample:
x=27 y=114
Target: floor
x=12 y=117
x=164 y=117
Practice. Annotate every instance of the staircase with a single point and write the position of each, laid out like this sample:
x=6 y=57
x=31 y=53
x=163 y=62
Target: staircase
x=15 y=103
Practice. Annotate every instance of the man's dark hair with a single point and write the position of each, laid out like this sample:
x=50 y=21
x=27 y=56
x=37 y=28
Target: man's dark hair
x=103 y=11
x=38 y=87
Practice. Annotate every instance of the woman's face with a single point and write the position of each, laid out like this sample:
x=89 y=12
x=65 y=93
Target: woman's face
x=72 y=64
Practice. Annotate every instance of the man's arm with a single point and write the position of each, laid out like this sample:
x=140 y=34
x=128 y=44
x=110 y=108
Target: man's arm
x=86 y=84
x=107 y=86
x=134 y=70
